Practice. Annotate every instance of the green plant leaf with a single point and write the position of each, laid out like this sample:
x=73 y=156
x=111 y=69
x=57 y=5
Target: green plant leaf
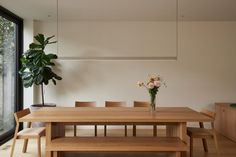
x=37 y=65
x=35 y=46
x=40 y=38
x=39 y=79
x=52 y=56
x=52 y=42
x=49 y=38
x=54 y=81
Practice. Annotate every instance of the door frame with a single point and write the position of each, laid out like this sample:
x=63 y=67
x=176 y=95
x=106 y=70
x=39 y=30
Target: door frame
x=19 y=50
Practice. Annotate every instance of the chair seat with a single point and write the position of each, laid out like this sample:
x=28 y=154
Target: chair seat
x=31 y=132
x=195 y=132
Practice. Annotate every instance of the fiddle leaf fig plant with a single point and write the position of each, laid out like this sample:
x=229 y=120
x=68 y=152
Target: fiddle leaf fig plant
x=37 y=65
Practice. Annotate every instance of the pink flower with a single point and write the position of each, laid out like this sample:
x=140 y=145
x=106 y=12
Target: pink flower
x=151 y=85
x=140 y=84
x=157 y=83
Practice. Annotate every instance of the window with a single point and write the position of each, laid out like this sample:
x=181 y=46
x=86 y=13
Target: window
x=11 y=91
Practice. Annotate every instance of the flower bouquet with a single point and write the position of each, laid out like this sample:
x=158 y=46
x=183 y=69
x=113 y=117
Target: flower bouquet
x=153 y=85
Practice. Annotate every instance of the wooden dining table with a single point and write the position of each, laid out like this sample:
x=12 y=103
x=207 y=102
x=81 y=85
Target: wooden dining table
x=174 y=118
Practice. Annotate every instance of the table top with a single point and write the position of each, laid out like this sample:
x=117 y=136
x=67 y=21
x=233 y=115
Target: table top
x=115 y=115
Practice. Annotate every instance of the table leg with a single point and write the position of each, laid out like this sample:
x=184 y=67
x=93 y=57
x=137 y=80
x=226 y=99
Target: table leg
x=182 y=133
x=48 y=127
x=178 y=130
x=53 y=130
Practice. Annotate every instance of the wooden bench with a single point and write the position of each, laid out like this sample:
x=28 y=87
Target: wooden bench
x=118 y=144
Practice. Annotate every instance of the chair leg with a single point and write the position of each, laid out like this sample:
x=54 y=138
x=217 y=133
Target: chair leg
x=25 y=146
x=39 y=146
x=191 y=147
x=75 y=130
x=134 y=130
x=154 y=130
x=216 y=141
x=125 y=130
x=204 y=142
x=105 y=130
x=13 y=146
x=95 y=130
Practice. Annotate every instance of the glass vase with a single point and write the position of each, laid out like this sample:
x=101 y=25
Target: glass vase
x=152 y=102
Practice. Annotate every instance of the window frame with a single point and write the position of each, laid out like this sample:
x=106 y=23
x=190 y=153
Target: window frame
x=19 y=51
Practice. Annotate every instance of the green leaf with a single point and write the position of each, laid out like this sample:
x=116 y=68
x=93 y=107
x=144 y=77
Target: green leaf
x=35 y=46
x=39 y=79
x=52 y=42
x=54 y=81
x=37 y=65
x=51 y=64
x=51 y=56
x=40 y=38
x=48 y=38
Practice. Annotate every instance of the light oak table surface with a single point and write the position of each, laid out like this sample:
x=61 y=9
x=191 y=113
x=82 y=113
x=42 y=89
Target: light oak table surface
x=115 y=115
x=175 y=119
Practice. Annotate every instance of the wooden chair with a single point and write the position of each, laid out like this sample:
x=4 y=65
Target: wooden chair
x=143 y=104
x=85 y=104
x=114 y=104
x=202 y=132
x=26 y=133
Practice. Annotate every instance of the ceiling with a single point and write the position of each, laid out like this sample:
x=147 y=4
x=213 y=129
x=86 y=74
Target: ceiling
x=158 y=10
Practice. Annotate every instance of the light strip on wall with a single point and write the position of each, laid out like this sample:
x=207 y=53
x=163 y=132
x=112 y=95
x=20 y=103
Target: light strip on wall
x=177 y=29
x=137 y=58
x=118 y=58
x=57 y=28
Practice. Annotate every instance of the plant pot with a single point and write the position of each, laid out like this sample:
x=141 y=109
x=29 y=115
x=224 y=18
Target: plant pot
x=233 y=105
x=1 y=124
x=36 y=107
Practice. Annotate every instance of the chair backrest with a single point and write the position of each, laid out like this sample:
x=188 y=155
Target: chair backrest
x=85 y=104
x=209 y=114
x=141 y=104
x=21 y=114
x=115 y=104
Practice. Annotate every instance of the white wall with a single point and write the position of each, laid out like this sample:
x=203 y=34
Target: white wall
x=117 y=39
x=204 y=72
x=28 y=38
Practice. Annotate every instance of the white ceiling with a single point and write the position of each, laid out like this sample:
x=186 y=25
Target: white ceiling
x=189 y=10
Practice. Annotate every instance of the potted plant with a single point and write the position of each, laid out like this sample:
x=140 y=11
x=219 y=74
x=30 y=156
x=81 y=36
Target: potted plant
x=37 y=66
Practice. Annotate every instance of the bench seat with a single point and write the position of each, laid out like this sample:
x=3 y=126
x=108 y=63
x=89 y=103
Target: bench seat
x=118 y=144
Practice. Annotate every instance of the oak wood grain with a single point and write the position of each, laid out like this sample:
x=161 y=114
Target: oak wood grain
x=118 y=144
x=101 y=115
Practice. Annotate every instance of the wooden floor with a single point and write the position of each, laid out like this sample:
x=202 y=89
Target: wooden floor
x=227 y=147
